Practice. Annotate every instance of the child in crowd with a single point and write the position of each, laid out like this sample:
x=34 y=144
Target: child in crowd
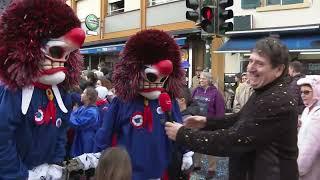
x=114 y=164
x=85 y=120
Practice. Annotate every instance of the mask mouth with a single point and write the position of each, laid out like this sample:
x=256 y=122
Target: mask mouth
x=147 y=86
x=152 y=89
x=53 y=70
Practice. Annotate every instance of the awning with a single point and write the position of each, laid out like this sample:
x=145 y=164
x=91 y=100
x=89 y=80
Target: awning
x=118 y=47
x=102 y=49
x=295 y=43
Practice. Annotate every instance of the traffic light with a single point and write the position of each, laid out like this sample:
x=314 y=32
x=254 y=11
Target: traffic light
x=192 y=15
x=224 y=15
x=207 y=19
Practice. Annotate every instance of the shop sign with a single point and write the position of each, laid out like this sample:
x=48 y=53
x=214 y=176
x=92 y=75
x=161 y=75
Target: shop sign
x=92 y=22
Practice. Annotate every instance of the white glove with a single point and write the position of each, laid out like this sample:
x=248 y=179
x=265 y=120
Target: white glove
x=55 y=172
x=187 y=160
x=39 y=172
x=89 y=160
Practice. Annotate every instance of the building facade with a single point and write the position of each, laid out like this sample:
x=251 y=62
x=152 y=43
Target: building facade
x=112 y=22
x=296 y=22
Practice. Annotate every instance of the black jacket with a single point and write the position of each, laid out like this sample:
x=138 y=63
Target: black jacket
x=263 y=135
x=294 y=90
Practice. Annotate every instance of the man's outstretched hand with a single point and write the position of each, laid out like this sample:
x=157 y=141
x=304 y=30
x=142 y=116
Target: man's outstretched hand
x=196 y=122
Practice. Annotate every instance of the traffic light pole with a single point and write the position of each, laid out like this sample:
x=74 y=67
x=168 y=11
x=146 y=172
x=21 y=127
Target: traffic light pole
x=208 y=61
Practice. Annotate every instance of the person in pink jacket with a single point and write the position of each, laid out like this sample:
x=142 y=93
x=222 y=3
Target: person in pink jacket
x=309 y=133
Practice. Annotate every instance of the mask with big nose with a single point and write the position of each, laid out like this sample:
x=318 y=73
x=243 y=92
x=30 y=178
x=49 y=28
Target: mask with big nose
x=56 y=53
x=154 y=78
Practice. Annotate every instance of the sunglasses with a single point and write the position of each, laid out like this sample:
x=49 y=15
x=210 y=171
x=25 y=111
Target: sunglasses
x=306 y=92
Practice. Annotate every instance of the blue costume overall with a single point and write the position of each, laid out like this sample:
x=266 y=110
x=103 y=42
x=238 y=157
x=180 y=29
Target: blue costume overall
x=85 y=121
x=150 y=151
x=24 y=143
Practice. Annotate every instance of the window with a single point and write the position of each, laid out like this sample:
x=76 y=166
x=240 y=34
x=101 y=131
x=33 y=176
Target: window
x=250 y=4
x=116 y=7
x=157 y=2
x=282 y=2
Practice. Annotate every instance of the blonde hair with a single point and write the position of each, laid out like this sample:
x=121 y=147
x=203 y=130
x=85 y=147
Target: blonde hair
x=114 y=164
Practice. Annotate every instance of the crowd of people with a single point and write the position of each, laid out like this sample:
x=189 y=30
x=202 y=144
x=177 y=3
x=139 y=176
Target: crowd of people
x=271 y=102
x=140 y=120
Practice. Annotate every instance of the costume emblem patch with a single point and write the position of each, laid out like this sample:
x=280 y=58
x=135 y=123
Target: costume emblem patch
x=38 y=117
x=58 y=122
x=137 y=120
x=159 y=110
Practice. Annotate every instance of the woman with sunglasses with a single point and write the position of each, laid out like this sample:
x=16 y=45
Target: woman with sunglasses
x=309 y=133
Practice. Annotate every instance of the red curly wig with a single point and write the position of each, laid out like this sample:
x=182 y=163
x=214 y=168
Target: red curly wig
x=25 y=26
x=147 y=47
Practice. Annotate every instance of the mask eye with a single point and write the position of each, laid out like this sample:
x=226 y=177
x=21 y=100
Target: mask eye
x=151 y=77
x=56 y=52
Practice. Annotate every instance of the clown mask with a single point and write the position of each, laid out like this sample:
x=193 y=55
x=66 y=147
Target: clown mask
x=154 y=78
x=56 y=53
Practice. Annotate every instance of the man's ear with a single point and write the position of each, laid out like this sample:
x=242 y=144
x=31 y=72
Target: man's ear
x=280 y=70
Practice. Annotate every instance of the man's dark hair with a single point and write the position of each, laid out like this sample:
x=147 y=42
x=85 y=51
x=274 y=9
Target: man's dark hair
x=92 y=79
x=296 y=66
x=275 y=50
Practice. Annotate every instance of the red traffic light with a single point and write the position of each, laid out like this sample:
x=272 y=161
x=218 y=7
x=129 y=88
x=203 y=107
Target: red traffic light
x=207 y=13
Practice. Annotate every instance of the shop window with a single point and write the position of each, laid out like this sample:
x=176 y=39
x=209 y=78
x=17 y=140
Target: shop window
x=157 y=2
x=116 y=7
x=282 y=2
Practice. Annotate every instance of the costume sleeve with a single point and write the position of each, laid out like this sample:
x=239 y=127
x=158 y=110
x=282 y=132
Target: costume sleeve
x=11 y=166
x=258 y=129
x=309 y=148
x=104 y=135
x=83 y=118
x=60 y=150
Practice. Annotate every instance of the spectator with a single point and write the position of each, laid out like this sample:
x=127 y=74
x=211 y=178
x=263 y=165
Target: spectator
x=242 y=95
x=211 y=103
x=238 y=79
x=187 y=105
x=188 y=108
x=295 y=72
x=208 y=97
x=196 y=78
x=114 y=164
x=85 y=120
x=104 y=82
x=309 y=134
x=263 y=135
x=91 y=79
